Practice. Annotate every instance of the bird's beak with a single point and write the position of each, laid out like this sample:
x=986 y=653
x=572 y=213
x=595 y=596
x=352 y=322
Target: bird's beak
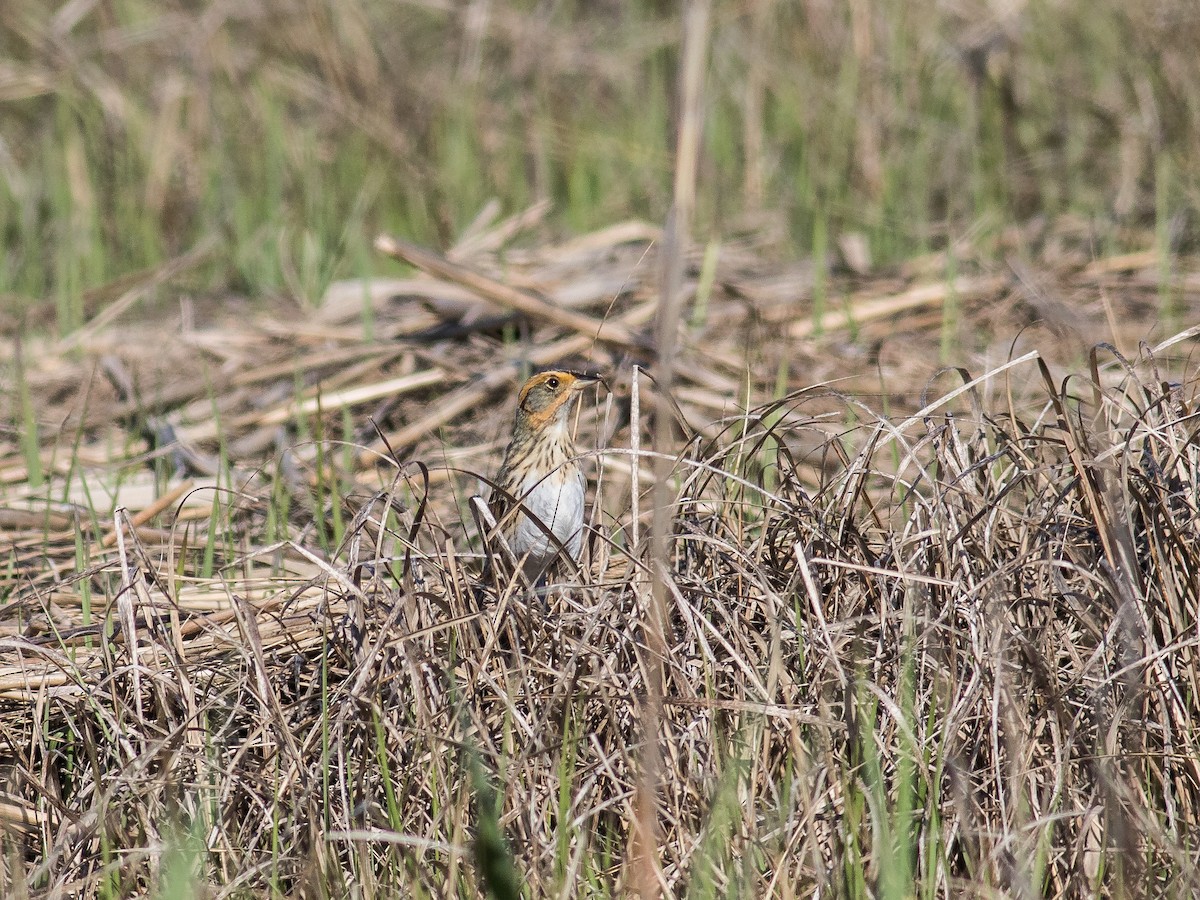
x=587 y=379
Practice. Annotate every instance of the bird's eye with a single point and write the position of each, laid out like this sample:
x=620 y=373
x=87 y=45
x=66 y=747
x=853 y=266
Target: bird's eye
x=552 y=383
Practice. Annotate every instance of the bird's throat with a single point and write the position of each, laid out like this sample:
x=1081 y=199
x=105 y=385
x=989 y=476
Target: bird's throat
x=544 y=420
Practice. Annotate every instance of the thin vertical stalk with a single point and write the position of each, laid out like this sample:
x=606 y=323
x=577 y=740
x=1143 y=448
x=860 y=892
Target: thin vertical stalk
x=647 y=874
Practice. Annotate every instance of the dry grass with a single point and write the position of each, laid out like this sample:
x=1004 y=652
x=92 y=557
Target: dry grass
x=857 y=626
x=939 y=640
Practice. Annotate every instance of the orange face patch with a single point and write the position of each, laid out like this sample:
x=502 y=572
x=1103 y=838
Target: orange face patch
x=541 y=399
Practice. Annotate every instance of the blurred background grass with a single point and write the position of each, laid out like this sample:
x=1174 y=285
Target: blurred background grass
x=281 y=135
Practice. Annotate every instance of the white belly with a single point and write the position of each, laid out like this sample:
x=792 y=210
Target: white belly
x=558 y=503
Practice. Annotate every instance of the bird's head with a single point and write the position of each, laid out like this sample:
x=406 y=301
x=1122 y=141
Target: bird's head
x=546 y=397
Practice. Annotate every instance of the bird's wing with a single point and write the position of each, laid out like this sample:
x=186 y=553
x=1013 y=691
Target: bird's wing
x=500 y=504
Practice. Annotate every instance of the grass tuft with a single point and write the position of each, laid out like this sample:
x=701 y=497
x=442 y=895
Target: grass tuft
x=959 y=655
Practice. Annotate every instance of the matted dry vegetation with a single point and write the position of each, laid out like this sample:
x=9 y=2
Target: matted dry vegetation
x=924 y=628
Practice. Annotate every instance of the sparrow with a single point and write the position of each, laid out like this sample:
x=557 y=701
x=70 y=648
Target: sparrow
x=538 y=495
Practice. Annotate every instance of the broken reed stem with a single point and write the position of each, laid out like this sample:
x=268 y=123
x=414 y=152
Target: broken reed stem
x=505 y=295
x=635 y=446
x=648 y=874
x=865 y=309
x=125 y=611
x=163 y=503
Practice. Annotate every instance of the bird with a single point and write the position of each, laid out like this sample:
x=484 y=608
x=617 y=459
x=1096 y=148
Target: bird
x=539 y=490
